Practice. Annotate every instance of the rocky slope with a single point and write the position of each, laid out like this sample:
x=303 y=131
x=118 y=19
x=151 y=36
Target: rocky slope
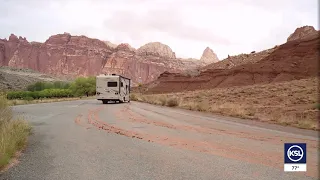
x=18 y=79
x=295 y=59
x=237 y=60
x=64 y=55
x=233 y=61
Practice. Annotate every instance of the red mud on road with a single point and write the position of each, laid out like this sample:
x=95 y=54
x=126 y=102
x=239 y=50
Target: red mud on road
x=77 y=120
x=225 y=150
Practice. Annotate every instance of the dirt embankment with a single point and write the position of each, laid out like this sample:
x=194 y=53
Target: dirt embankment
x=290 y=61
x=292 y=103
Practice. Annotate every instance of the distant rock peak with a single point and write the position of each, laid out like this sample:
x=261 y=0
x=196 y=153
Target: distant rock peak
x=208 y=56
x=110 y=44
x=13 y=37
x=302 y=32
x=124 y=47
x=156 y=48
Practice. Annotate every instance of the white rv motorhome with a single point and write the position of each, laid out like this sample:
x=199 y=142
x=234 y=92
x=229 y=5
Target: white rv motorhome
x=112 y=88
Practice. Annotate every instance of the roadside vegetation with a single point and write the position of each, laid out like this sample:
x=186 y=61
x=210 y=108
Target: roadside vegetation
x=293 y=103
x=13 y=133
x=41 y=92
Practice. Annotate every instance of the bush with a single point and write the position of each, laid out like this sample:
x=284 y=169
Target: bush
x=172 y=102
x=202 y=106
x=39 y=86
x=46 y=93
x=133 y=97
x=58 y=89
x=84 y=86
x=163 y=100
x=28 y=98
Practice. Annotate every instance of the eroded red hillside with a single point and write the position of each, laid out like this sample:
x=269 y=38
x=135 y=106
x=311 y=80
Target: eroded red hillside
x=293 y=60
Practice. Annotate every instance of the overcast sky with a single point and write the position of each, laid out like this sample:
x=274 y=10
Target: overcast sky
x=187 y=26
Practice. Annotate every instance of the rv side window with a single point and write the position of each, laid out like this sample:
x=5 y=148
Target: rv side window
x=112 y=84
x=121 y=84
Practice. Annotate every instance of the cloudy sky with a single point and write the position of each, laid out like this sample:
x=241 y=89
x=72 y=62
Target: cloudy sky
x=187 y=26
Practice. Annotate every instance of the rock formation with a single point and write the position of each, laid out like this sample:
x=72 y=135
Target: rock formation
x=302 y=32
x=125 y=47
x=208 y=56
x=110 y=44
x=64 y=55
x=157 y=49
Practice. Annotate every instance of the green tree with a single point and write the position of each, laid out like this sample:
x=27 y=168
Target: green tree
x=84 y=86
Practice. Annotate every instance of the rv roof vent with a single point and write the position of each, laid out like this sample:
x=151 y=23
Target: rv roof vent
x=113 y=74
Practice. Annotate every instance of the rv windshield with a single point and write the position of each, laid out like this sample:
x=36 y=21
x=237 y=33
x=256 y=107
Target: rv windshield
x=112 y=84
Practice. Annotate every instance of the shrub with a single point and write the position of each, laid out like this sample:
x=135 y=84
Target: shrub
x=202 y=106
x=84 y=86
x=163 y=100
x=133 y=97
x=172 y=102
x=28 y=98
x=46 y=93
x=39 y=86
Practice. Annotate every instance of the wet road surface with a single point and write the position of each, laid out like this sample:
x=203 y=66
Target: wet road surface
x=86 y=139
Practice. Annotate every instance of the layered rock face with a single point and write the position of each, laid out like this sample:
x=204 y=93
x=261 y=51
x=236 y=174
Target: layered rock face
x=208 y=56
x=72 y=56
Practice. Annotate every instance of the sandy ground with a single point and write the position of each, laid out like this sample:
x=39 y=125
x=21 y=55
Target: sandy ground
x=86 y=139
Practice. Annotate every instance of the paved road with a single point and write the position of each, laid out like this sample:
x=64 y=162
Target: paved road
x=86 y=139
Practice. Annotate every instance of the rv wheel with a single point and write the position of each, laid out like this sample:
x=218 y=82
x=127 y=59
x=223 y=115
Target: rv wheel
x=104 y=101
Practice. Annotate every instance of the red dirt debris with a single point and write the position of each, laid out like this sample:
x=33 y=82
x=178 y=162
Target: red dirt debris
x=225 y=150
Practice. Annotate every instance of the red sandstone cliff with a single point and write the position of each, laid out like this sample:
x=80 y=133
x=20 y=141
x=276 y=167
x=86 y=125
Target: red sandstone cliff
x=66 y=55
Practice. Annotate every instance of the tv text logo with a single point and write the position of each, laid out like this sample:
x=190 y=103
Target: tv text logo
x=295 y=157
x=295 y=153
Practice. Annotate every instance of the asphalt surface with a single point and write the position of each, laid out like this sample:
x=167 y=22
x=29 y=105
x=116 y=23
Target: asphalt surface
x=86 y=139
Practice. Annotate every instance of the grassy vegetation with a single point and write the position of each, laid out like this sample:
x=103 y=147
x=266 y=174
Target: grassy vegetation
x=15 y=102
x=46 y=93
x=293 y=103
x=39 y=86
x=13 y=133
